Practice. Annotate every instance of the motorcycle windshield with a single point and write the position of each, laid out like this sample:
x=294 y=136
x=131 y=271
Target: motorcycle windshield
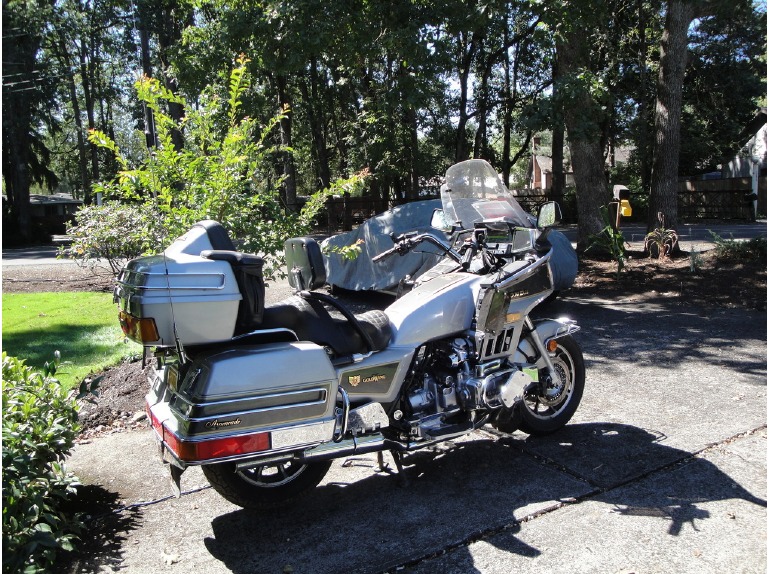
x=473 y=192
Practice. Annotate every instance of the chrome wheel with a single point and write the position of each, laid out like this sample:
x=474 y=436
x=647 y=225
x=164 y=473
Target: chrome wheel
x=272 y=476
x=553 y=404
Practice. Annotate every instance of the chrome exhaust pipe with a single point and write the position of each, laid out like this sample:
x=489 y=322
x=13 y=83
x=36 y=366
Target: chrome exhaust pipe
x=346 y=447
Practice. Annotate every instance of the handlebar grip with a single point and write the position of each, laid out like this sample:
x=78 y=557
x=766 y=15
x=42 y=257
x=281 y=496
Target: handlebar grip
x=383 y=255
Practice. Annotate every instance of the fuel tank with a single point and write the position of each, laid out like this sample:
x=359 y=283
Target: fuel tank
x=438 y=308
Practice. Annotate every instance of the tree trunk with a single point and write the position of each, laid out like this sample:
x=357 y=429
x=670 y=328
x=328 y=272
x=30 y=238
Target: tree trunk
x=289 y=169
x=150 y=137
x=643 y=107
x=505 y=163
x=20 y=48
x=85 y=82
x=469 y=52
x=583 y=121
x=315 y=118
x=171 y=20
x=82 y=156
x=557 y=143
x=668 y=113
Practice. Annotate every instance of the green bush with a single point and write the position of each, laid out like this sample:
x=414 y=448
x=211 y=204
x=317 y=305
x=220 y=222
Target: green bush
x=610 y=240
x=114 y=233
x=39 y=428
x=225 y=171
x=750 y=251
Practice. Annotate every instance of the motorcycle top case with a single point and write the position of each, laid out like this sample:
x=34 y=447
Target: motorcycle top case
x=191 y=291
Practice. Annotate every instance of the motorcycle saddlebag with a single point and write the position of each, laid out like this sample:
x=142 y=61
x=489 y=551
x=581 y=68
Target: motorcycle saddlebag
x=236 y=403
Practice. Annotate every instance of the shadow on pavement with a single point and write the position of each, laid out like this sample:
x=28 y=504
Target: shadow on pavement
x=470 y=491
x=107 y=526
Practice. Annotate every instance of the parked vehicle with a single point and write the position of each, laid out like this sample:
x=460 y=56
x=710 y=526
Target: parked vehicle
x=264 y=398
x=391 y=276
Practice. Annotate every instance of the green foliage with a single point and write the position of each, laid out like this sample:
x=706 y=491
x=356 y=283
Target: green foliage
x=751 y=251
x=39 y=428
x=223 y=172
x=114 y=232
x=610 y=240
x=346 y=252
x=660 y=242
x=696 y=261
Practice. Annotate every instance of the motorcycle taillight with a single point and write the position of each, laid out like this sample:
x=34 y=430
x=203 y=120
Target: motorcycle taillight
x=138 y=330
x=210 y=449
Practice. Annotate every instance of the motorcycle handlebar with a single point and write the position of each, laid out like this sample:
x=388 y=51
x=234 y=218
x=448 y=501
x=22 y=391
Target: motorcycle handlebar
x=384 y=254
x=404 y=243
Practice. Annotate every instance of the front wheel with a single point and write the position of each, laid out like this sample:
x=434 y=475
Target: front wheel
x=553 y=405
x=265 y=487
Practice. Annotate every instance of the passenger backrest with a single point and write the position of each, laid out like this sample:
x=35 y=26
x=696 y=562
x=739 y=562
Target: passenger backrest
x=217 y=235
x=305 y=263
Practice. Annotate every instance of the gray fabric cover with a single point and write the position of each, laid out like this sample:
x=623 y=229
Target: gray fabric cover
x=362 y=274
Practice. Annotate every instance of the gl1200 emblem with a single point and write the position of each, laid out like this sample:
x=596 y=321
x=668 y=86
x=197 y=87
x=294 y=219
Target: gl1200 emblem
x=354 y=380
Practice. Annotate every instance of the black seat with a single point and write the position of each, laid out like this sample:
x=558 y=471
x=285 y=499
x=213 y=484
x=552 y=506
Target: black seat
x=310 y=319
x=308 y=313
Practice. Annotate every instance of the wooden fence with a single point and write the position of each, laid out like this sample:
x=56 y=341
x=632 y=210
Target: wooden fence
x=720 y=199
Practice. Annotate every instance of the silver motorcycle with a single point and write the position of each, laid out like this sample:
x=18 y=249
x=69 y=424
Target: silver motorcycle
x=264 y=398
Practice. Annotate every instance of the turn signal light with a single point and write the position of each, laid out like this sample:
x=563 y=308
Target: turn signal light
x=552 y=345
x=138 y=330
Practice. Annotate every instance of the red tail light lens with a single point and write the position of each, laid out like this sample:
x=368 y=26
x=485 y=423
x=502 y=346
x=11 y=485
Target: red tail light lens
x=138 y=330
x=212 y=449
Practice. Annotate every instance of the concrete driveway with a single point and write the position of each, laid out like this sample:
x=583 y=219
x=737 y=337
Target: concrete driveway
x=663 y=469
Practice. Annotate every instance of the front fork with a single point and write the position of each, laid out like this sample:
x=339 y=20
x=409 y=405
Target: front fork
x=541 y=334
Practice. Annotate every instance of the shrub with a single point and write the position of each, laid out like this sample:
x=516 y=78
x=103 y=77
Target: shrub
x=753 y=250
x=39 y=427
x=610 y=240
x=224 y=172
x=114 y=233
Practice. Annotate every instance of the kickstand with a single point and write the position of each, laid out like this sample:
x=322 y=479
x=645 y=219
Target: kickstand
x=383 y=466
x=403 y=480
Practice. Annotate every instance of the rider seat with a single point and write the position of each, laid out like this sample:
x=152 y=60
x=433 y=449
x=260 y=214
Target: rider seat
x=317 y=317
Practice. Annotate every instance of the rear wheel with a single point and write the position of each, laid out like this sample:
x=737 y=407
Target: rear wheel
x=265 y=487
x=553 y=405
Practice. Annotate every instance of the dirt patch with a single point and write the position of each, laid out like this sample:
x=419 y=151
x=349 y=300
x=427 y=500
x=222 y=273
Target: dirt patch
x=120 y=404
x=703 y=282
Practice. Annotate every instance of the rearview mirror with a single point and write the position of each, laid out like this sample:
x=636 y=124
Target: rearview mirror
x=548 y=215
x=439 y=221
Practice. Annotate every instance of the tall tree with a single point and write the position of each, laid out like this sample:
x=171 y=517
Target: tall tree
x=668 y=113
x=26 y=90
x=724 y=85
x=674 y=44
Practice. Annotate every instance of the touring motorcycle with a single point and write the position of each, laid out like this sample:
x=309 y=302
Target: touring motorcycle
x=265 y=397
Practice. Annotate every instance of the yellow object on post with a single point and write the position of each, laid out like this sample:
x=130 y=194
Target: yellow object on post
x=625 y=208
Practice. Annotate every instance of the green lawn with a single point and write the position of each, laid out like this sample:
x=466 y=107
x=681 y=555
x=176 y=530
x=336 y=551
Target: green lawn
x=83 y=326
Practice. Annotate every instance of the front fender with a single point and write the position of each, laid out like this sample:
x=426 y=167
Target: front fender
x=545 y=330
